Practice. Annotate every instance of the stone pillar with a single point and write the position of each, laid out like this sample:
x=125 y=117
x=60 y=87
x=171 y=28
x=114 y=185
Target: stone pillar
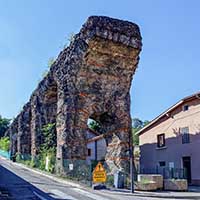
x=20 y=134
x=13 y=141
x=36 y=125
x=118 y=141
x=71 y=128
x=13 y=145
x=14 y=136
x=24 y=131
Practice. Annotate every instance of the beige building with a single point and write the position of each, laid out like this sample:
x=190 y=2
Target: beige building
x=171 y=142
x=96 y=146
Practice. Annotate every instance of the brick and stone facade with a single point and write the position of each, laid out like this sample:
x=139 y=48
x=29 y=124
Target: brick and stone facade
x=90 y=79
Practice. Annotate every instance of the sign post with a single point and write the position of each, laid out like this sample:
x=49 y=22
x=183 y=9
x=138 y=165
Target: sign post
x=131 y=151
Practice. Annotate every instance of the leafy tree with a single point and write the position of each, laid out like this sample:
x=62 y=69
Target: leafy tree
x=137 y=124
x=5 y=143
x=49 y=135
x=48 y=148
x=95 y=126
x=135 y=137
x=146 y=122
x=4 y=124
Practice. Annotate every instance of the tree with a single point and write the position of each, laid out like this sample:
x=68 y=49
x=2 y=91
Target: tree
x=4 y=124
x=94 y=126
x=49 y=135
x=137 y=124
x=47 y=149
x=146 y=122
x=5 y=143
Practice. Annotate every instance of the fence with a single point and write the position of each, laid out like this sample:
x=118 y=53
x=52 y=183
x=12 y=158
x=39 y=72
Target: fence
x=77 y=170
x=5 y=154
x=167 y=173
x=82 y=170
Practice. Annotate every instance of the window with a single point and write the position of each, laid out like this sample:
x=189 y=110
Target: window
x=185 y=107
x=161 y=140
x=185 y=135
x=89 y=152
x=162 y=163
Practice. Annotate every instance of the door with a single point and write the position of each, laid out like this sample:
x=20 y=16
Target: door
x=187 y=167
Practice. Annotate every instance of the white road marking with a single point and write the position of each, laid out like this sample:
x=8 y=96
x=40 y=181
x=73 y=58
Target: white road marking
x=90 y=195
x=62 y=195
x=39 y=196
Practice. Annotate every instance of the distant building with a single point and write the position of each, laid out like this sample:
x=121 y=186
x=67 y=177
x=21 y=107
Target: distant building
x=172 y=140
x=96 y=146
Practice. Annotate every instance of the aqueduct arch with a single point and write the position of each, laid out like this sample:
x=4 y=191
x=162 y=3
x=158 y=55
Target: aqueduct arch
x=90 y=79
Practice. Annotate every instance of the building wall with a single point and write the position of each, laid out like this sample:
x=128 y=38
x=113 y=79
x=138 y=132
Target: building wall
x=174 y=150
x=91 y=146
x=101 y=149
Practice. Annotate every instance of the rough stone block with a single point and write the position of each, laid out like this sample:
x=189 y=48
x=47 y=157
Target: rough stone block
x=146 y=186
x=158 y=179
x=176 y=184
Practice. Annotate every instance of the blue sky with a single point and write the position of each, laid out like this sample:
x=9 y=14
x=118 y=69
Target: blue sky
x=33 y=31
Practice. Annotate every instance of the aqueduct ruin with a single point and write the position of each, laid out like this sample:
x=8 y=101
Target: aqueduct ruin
x=90 y=79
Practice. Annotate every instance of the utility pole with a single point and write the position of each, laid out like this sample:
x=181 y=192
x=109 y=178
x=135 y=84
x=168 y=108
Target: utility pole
x=131 y=163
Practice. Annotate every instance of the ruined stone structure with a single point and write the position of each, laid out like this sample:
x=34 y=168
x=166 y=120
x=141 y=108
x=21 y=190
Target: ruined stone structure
x=90 y=79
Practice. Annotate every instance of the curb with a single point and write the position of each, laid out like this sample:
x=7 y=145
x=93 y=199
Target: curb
x=160 y=196
x=168 y=197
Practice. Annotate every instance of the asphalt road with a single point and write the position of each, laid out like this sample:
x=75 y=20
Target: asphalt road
x=23 y=184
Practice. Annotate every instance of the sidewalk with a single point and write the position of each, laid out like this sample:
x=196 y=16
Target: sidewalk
x=193 y=193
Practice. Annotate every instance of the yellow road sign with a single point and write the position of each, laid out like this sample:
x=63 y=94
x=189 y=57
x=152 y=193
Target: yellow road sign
x=99 y=174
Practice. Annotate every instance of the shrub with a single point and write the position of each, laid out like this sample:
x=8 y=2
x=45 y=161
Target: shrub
x=18 y=157
x=5 y=143
x=48 y=148
x=110 y=180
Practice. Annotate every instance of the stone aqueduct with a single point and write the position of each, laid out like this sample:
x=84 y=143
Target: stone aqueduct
x=90 y=79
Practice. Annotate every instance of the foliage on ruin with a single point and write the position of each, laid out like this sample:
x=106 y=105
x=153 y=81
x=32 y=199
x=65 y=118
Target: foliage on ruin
x=48 y=148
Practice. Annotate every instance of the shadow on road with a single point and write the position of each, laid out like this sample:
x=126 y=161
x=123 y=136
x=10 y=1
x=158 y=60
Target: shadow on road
x=13 y=187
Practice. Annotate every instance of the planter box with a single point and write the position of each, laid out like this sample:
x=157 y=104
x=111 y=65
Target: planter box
x=176 y=185
x=150 y=186
x=158 y=179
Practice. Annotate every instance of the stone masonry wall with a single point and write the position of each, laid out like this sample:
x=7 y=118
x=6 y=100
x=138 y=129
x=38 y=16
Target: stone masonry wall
x=90 y=79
